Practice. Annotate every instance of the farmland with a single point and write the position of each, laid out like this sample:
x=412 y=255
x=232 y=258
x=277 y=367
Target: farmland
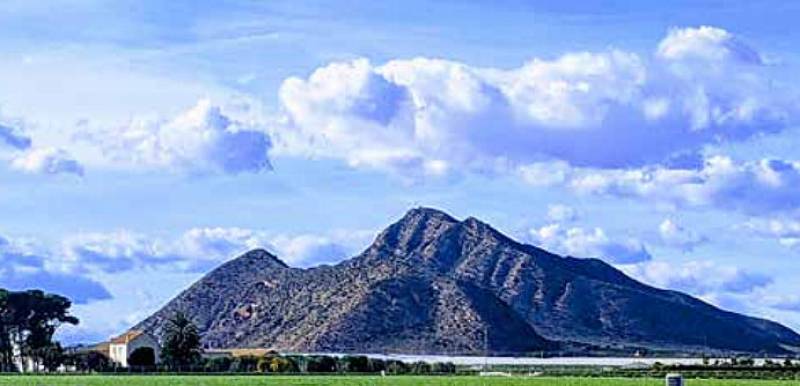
x=168 y=380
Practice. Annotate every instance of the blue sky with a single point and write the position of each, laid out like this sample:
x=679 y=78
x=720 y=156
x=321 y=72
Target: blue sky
x=142 y=144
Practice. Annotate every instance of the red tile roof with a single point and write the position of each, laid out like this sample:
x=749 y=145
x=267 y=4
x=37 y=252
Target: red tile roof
x=126 y=337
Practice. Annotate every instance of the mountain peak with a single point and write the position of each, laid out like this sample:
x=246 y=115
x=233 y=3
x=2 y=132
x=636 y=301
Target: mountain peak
x=417 y=227
x=262 y=255
x=427 y=213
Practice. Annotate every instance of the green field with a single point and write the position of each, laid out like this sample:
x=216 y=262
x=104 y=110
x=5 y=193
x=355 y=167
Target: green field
x=164 y=380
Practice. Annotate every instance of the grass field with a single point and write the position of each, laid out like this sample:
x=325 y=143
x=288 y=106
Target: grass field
x=92 y=380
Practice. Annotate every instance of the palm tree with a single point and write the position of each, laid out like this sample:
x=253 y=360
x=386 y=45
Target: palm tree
x=181 y=345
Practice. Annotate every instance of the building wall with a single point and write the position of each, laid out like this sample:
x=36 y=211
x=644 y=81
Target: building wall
x=118 y=353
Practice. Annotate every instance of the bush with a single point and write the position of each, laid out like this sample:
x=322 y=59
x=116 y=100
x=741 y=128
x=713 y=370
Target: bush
x=320 y=364
x=263 y=365
x=444 y=368
x=300 y=362
x=396 y=367
x=88 y=361
x=218 y=364
x=377 y=365
x=421 y=368
x=244 y=364
x=355 y=364
x=282 y=365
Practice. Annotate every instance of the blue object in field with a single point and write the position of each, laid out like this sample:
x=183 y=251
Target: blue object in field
x=674 y=380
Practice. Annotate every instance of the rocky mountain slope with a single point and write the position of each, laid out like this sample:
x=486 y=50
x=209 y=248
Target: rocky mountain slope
x=432 y=284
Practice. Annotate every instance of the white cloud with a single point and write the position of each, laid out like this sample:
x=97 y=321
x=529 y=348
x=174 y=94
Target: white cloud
x=561 y=213
x=580 y=242
x=113 y=252
x=785 y=231
x=200 y=249
x=29 y=159
x=701 y=278
x=220 y=243
x=675 y=235
x=309 y=249
x=768 y=185
x=605 y=110
x=196 y=250
x=47 y=160
x=24 y=265
x=203 y=139
x=706 y=43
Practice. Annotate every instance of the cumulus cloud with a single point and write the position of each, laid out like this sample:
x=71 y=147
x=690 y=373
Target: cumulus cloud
x=309 y=249
x=23 y=267
x=113 y=252
x=767 y=185
x=701 y=278
x=297 y=250
x=706 y=43
x=785 y=231
x=561 y=213
x=47 y=161
x=605 y=110
x=580 y=242
x=220 y=243
x=675 y=235
x=196 y=250
x=29 y=159
x=200 y=249
x=203 y=139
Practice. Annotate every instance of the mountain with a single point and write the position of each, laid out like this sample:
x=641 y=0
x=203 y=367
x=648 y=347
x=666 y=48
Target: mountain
x=432 y=284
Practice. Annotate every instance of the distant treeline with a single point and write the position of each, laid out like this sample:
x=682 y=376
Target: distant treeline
x=271 y=363
x=731 y=368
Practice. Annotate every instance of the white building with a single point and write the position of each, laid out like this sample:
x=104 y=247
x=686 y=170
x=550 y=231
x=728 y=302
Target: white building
x=121 y=347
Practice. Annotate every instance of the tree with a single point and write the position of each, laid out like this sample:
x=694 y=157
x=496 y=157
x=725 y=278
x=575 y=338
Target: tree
x=28 y=321
x=52 y=356
x=377 y=365
x=218 y=365
x=396 y=367
x=142 y=357
x=355 y=364
x=244 y=364
x=181 y=345
x=421 y=367
x=6 y=349
x=263 y=365
x=444 y=368
x=320 y=364
x=282 y=365
x=90 y=361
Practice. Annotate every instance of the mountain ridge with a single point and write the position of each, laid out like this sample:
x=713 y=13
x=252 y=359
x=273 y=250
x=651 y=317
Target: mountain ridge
x=430 y=283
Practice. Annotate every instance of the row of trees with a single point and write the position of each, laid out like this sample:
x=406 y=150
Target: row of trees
x=313 y=364
x=749 y=362
x=28 y=321
x=270 y=363
x=182 y=351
